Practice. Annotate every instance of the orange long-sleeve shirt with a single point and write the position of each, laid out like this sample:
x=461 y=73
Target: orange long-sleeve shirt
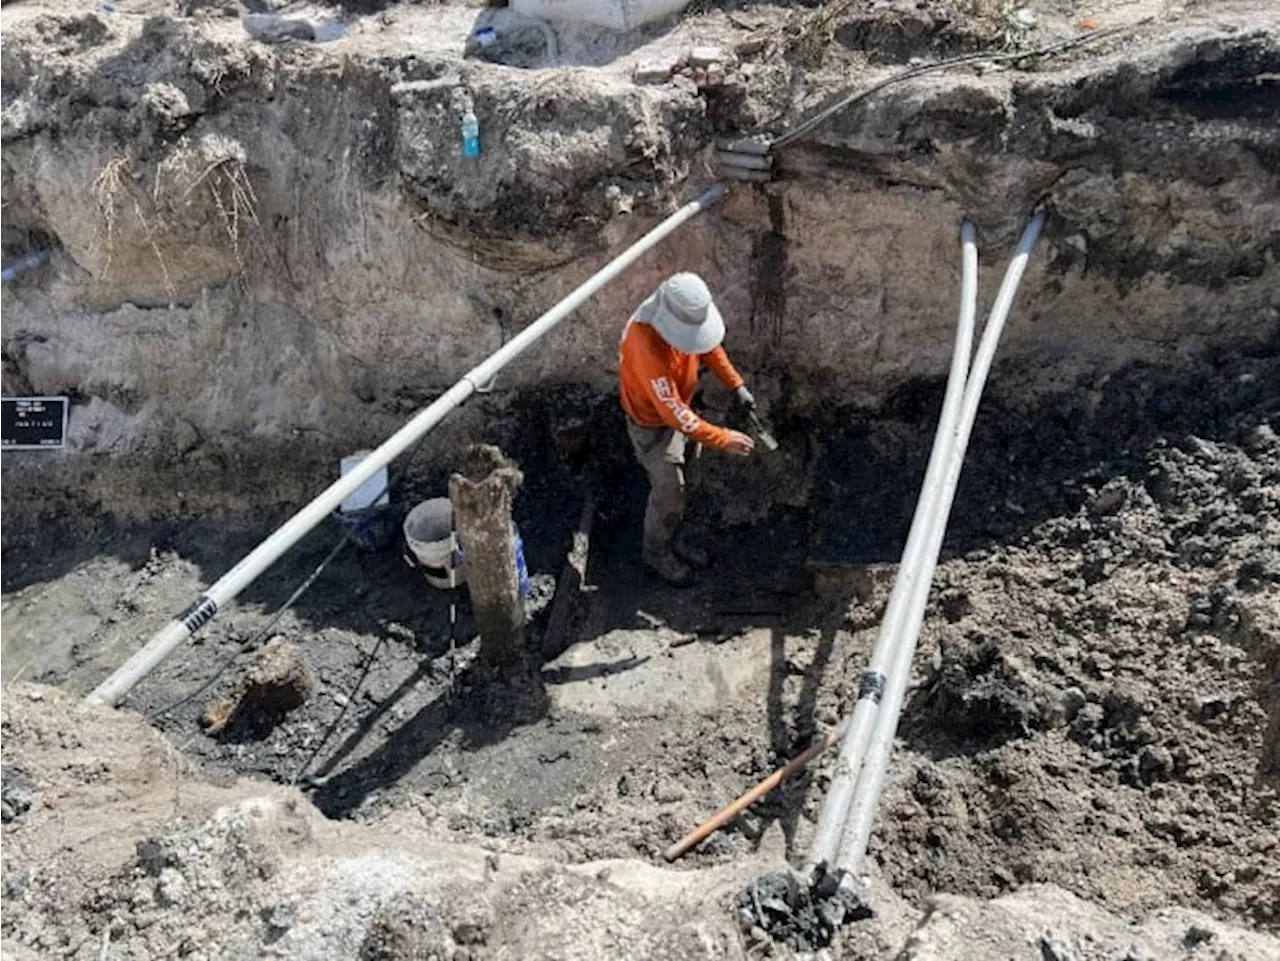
x=656 y=383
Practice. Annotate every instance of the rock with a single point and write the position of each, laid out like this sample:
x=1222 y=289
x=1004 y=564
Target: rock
x=151 y=855
x=269 y=28
x=17 y=794
x=1052 y=949
x=1155 y=764
x=1259 y=570
x=707 y=56
x=1197 y=935
x=982 y=690
x=16 y=882
x=655 y=71
x=15 y=951
x=1073 y=700
x=669 y=792
x=278 y=918
x=800 y=917
x=1002 y=929
x=955 y=604
x=1262 y=439
x=470 y=933
x=171 y=887
x=167 y=108
x=1111 y=498
x=217 y=8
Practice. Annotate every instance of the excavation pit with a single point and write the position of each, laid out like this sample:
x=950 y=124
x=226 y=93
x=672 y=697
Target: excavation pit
x=264 y=257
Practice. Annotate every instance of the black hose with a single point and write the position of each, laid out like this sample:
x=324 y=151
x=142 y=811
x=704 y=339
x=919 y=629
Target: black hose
x=848 y=99
x=368 y=666
x=260 y=634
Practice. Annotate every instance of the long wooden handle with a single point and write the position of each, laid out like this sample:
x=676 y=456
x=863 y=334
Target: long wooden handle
x=727 y=814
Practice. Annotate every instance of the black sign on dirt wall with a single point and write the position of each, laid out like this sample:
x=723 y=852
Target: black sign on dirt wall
x=34 y=423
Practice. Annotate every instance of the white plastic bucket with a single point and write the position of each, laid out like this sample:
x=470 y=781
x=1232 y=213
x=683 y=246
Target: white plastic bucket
x=613 y=14
x=428 y=530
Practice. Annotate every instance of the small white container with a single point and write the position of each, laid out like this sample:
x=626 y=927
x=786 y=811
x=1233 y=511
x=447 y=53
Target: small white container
x=428 y=530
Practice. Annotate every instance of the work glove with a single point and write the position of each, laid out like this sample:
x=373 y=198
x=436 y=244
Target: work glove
x=746 y=397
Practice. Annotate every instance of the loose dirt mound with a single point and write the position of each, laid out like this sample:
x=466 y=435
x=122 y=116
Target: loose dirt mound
x=123 y=858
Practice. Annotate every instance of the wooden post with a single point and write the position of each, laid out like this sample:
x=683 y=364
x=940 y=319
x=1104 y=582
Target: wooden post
x=572 y=584
x=481 y=496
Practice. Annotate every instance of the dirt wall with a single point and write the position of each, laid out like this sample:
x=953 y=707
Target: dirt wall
x=268 y=255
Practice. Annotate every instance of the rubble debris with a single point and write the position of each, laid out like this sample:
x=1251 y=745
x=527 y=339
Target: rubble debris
x=17 y=794
x=707 y=56
x=799 y=916
x=270 y=28
x=655 y=70
x=982 y=690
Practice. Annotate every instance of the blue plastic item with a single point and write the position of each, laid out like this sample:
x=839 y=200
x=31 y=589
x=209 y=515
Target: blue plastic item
x=25 y=262
x=372 y=529
x=470 y=135
x=522 y=569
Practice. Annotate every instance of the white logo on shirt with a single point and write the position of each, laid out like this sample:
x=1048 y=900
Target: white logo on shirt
x=687 y=419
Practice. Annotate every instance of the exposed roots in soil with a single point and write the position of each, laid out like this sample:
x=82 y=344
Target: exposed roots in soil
x=112 y=188
x=217 y=163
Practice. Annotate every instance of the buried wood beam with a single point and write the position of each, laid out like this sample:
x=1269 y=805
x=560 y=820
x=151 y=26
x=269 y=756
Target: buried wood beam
x=572 y=583
x=481 y=496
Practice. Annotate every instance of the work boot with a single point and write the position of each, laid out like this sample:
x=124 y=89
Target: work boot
x=671 y=569
x=691 y=554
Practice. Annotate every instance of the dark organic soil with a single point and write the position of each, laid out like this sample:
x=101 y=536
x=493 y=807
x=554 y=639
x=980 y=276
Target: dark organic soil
x=1098 y=691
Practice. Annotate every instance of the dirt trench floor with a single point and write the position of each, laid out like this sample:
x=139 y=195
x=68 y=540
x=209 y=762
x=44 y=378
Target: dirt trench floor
x=1097 y=692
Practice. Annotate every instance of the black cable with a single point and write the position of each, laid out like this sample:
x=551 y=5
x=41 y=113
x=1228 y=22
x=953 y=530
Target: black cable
x=849 y=99
x=260 y=634
x=368 y=666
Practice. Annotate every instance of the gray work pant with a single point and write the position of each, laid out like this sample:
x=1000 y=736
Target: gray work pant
x=669 y=458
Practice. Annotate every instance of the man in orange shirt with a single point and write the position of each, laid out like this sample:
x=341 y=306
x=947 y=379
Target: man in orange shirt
x=671 y=332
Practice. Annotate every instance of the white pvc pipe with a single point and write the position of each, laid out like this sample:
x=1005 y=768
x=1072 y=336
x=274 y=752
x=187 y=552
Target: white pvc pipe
x=835 y=809
x=265 y=554
x=857 y=830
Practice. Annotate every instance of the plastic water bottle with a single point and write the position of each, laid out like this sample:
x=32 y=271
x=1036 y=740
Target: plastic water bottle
x=470 y=134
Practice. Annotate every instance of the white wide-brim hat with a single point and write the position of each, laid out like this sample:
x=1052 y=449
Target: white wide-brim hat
x=684 y=314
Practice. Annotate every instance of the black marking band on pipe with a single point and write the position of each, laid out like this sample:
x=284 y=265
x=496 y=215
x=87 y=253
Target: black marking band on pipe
x=199 y=613
x=871 y=685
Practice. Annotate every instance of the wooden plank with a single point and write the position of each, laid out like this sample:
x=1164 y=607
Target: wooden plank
x=572 y=583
